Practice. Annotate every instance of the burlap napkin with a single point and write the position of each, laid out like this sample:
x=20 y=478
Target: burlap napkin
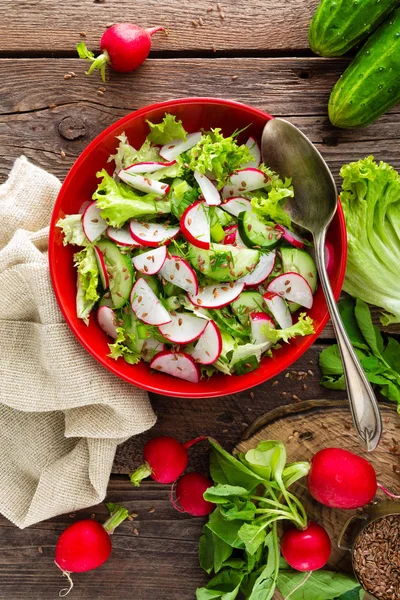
x=62 y=414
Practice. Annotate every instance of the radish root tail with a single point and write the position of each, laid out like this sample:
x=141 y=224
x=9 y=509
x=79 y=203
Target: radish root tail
x=385 y=491
x=65 y=591
x=174 y=501
x=302 y=582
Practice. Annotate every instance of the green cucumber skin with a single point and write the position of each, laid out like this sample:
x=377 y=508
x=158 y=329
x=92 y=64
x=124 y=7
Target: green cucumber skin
x=339 y=25
x=370 y=86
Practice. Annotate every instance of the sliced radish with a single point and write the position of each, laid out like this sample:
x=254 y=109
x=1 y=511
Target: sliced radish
x=255 y=151
x=144 y=184
x=105 y=282
x=183 y=328
x=329 y=254
x=279 y=309
x=107 y=320
x=176 y=270
x=259 y=320
x=293 y=287
x=151 y=234
x=177 y=364
x=150 y=348
x=263 y=269
x=149 y=167
x=216 y=296
x=234 y=206
x=230 y=234
x=195 y=225
x=122 y=237
x=208 y=189
x=150 y=262
x=146 y=306
x=176 y=147
x=84 y=206
x=209 y=346
x=93 y=224
x=290 y=237
x=245 y=180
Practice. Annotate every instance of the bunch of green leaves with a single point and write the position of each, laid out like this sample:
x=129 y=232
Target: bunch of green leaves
x=269 y=202
x=240 y=544
x=379 y=356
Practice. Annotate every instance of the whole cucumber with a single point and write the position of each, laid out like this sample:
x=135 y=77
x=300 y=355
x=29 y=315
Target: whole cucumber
x=338 y=25
x=370 y=86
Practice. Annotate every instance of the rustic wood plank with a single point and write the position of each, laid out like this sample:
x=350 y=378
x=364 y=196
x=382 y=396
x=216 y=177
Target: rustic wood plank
x=51 y=26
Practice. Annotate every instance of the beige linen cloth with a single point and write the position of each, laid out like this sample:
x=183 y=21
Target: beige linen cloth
x=62 y=414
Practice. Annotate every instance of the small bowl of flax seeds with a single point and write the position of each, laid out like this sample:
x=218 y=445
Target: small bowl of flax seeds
x=376 y=552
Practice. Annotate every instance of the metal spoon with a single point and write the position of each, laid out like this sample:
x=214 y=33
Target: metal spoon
x=287 y=150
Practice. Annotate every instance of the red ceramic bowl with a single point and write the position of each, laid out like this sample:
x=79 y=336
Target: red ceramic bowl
x=79 y=185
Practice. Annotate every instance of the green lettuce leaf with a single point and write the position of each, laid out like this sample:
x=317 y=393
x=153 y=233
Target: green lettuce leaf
x=88 y=272
x=370 y=198
x=217 y=154
x=118 y=202
x=304 y=326
x=269 y=202
x=127 y=155
x=72 y=229
x=169 y=129
x=119 y=347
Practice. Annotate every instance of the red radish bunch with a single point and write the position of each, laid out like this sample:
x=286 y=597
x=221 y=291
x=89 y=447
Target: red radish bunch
x=124 y=47
x=189 y=491
x=86 y=545
x=306 y=549
x=165 y=460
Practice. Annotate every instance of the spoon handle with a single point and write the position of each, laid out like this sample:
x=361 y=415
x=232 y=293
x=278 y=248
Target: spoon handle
x=363 y=404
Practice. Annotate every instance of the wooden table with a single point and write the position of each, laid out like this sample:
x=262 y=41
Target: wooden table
x=254 y=52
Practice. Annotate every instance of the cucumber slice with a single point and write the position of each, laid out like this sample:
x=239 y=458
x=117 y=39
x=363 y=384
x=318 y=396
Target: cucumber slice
x=256 y=233
x=120 y=272
x=217 y=233
x=223 y=262
x=219 y=216
x=247 y=303
x=299 y=261
x=172 y=303
x=106 y=300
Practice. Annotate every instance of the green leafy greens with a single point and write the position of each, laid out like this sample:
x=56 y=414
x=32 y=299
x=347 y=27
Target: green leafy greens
x=370 y=198
x=169 y=129
x=379 y=358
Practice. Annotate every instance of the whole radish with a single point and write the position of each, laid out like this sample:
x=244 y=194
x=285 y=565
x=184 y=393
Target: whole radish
x=124 y=47
x=340 y=479
x=86 y=545
x=189 y=491
x=306 y=549
x=165 y=460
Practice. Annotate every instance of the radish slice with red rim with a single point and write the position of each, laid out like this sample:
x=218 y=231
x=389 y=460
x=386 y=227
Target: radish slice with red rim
x=146 y=306
x=234 y=206
x=230 y=234
x=149 y=167
x=150 y=348
x=243 y=181
x=105 y=281
x=290 y=237
x=151 y=234
x=255 y=151
x=216 y=296
x=144 y=184
x=92 y=222
x=195 y=225
x=150 y=262
x=279 y=310
x=259 y=320
x=122 y=237
x=107 y=320
x=177 y=271
x=183 y=328
x=208 y=189
x=176 y=147
x=84 y=206
x=293 y=287
x=178 y=364
x=263 y=270
x=209 y=345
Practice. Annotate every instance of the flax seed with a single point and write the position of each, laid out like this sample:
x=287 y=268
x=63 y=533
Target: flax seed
x=234 y=77
x=67 y=76
x=82 y=33
x=295 y=398
x=136 y=531
x=62 y=154
x=310 y=373
x=276 y=382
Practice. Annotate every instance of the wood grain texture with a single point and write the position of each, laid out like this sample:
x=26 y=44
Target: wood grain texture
x=310 y=426
x=50 y=26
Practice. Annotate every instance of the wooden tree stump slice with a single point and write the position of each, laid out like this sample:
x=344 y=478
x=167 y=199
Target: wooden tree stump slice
x=309 y=426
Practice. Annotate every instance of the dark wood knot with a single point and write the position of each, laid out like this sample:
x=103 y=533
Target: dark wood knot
x=71 y=128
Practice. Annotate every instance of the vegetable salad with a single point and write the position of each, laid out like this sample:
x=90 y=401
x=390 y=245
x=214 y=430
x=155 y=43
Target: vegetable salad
x=188 y=258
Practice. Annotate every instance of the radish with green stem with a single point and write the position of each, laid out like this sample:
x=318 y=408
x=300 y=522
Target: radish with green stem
x=86 y=545
x=165 y=460
x=124 y=47
x=187 y=495
x=306 y=549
